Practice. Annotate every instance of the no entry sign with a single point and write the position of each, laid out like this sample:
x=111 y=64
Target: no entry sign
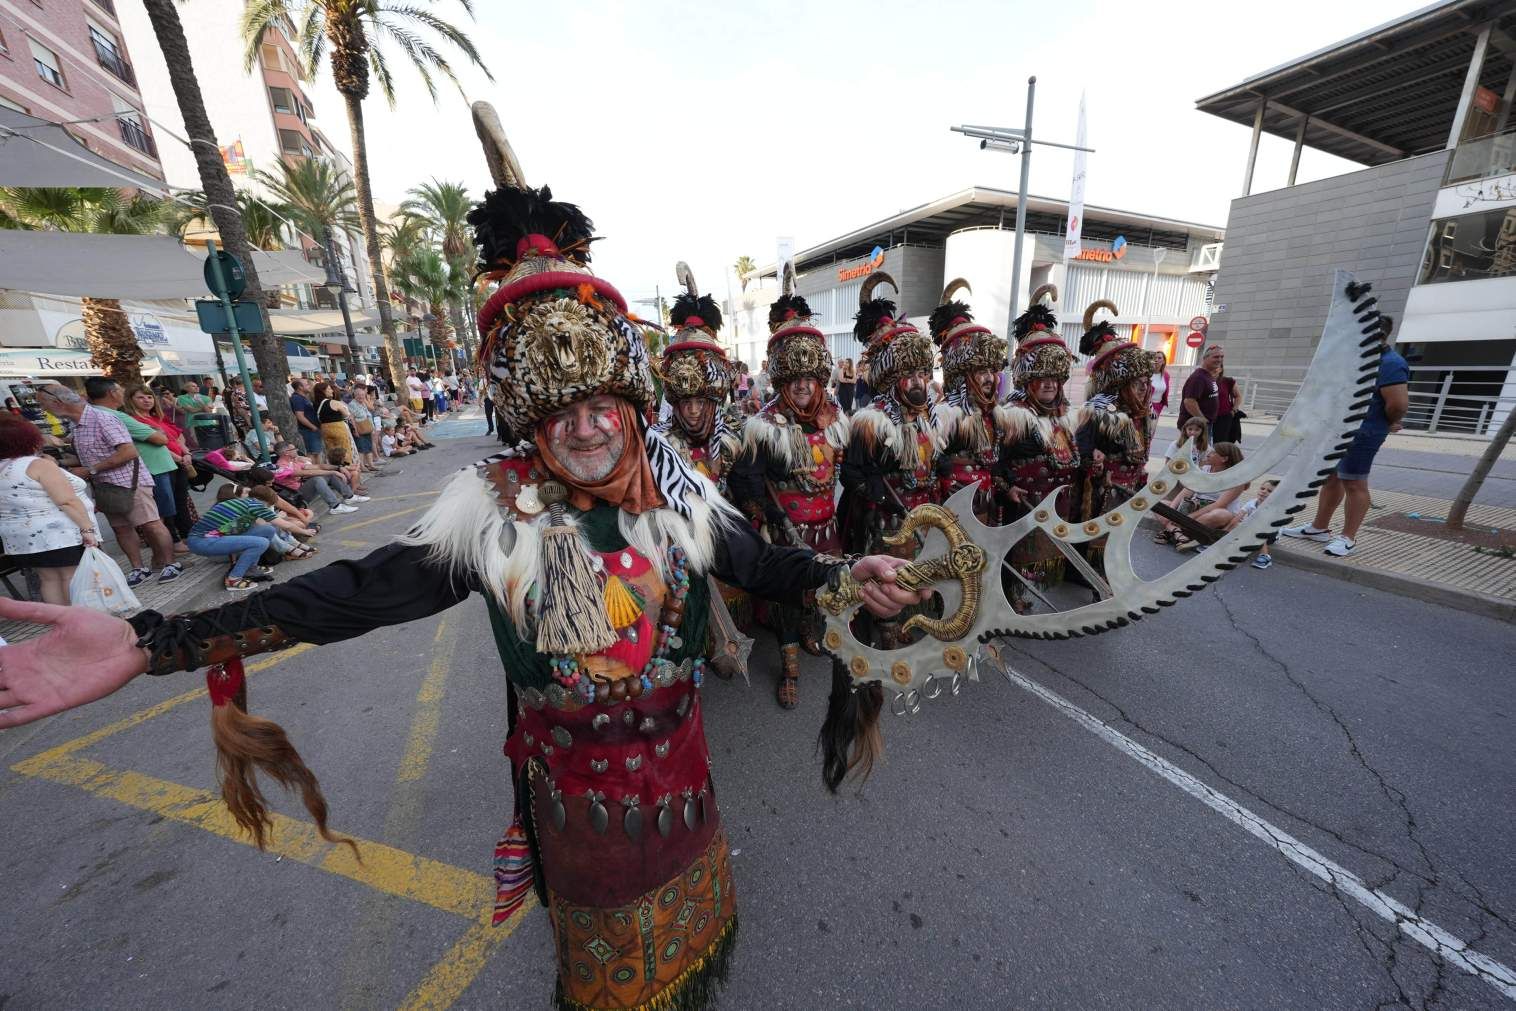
x=1195 y=338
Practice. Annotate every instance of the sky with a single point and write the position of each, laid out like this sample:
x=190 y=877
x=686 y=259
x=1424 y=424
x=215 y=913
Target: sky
x=703 y=131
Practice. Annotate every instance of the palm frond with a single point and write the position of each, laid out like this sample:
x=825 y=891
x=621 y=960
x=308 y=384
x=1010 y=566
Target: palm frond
x=422 y=56
x=257 y=17
x=310 y=43
x=381 y=70
x=448 y=31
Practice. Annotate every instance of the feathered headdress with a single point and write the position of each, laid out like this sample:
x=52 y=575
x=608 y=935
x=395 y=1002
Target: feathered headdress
x=1040 y=352
x=694 y=364
x=796 y=347
x=966 y=346
x=1039 y=314
x=892 y=346
x=1117 y=361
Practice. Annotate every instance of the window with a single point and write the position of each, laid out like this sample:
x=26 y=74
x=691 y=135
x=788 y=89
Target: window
x=283 y=101
x=291 y=142
x=1470 y=247
x=46 y=61
x=108 y=53
x=107 y=6
x=129 y=123
x=3 y=47
x=271 y=57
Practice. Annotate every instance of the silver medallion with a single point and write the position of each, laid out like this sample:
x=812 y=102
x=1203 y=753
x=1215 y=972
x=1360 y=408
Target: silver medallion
x=556 y=695
x=528 y=501
x=689 y=813
x=562 y=737
x=647 y=726
x=665 y=820
x=601 y=721
x=629 y=717
x=626 y=559
x=661 y=750
x=600 y=818
x=599 y=764
x=633 y=763
x=547 y=749
x=632 y=820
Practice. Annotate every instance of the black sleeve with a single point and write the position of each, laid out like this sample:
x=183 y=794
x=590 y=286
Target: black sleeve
x=748 y=484
x=863 y=473
x=776 y=573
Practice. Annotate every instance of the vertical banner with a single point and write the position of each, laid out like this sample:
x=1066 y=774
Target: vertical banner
x=1072 y=246
x=786 y=249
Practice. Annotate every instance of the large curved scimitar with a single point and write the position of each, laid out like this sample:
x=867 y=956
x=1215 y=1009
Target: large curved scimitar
x=1313 y=433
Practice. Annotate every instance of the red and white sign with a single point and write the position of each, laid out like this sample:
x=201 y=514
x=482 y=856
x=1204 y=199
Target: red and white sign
x=1195 y=338
x=1200 y=323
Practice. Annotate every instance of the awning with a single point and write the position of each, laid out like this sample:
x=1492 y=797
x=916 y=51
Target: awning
x=175 y=362
x=125 y=266
x=42 y=362
x=308 y=323
x=1459 y=311
x=37 y=152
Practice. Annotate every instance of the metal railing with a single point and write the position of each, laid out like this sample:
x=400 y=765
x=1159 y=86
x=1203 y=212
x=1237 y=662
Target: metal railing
x=112 y=61
x=1454 y=399
x=1483 y=158
x=133 y=133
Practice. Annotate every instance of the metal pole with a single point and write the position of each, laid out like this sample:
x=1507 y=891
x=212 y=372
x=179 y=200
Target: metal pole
x=1247 y=179
x=1299 y=143
x=1026 y=170
x=236 y=335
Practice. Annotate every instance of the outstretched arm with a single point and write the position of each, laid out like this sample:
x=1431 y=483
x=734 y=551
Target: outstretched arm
x=87 y=654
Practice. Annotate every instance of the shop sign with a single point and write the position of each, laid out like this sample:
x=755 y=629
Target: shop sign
x=873 y=263
x=1116 y=252
x=149 y=331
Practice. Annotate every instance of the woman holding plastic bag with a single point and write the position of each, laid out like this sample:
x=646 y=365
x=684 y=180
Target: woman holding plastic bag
x=46 y=517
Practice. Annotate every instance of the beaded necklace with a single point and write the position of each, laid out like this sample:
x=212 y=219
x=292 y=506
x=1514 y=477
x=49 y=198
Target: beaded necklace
x=567 y=671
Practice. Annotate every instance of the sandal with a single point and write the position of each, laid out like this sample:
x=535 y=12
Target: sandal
x=303 y=551
x=237 y=585
x=787 y=692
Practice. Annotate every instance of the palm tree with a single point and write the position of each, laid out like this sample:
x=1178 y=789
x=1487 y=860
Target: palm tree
x=314 y=195
x=744 y=266
x=268 y=350
x=351 y=30
x=423 y=275
x=99 y=211
x=1471 y=485
x=444 y=208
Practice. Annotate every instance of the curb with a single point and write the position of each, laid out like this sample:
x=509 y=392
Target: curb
x=1405 y=586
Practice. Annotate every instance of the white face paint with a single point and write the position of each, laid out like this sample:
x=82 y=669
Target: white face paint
x=587 y=437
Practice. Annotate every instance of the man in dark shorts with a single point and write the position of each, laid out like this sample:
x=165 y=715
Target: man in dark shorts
x=1350 y=482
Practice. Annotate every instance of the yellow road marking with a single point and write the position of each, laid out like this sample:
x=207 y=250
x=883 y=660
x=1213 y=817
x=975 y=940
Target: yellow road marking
x=380 y=519
x=32 y=766
x=384 y=868
x=456 y=971
x=418 y=747
x=409 y=494
x=356 y=544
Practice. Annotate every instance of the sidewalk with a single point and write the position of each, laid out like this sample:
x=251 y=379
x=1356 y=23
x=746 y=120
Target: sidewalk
x=1419 y=565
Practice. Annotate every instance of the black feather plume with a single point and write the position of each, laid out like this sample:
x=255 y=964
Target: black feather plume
x=687 y=305
x=1036 y=316
x=1096 y=337
x=870 y=314
x=941 y=319
x=508 y=215
x=780 y=310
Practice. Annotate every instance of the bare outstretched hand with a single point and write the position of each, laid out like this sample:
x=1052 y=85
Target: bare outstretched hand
x=881 y=596
x=84 y=656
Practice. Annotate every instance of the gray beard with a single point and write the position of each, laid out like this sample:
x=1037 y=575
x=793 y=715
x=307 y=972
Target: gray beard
x=581 y=470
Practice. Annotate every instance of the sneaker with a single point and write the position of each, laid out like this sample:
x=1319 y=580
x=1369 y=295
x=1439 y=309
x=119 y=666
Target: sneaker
x=259 y=577
x=171 y=572
x=358 y=498
x=137 y=577
x=1263 y=561
x=344 y=508
x=1340 y=546
x=1307 y=532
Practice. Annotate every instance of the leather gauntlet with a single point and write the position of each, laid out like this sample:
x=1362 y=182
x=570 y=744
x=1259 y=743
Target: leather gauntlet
x=186 y=642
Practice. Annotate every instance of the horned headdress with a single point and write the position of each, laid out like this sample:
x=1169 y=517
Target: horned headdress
x=797 y=349
x=694 y=364
x=1040 y=352
x=891 y=345
x=966 y=346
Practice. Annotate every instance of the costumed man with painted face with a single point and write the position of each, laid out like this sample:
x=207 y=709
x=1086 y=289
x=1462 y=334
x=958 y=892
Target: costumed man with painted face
x=697 y=377
x=1113 y=431
x=1041 y=452
x=891 y=462
x=785 y=478
x=588 y=546
x=970 y=424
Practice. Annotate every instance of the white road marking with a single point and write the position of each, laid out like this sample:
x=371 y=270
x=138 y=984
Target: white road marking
x=1423 y=931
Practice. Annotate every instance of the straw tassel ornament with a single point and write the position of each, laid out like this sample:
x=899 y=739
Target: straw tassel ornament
x=571 y=618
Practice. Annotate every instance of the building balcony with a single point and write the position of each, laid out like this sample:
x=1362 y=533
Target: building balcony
x=1484 y=158
x=112 y=61
x=135 y=136
x=107 y=6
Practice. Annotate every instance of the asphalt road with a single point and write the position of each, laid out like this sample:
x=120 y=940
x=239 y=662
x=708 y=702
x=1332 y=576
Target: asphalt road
x=1010 y=852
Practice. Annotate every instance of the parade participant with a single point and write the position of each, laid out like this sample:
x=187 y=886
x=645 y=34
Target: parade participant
x=890 y=465
x=1112 y=433
x=785 y=477
x=1040 y=453
x=970 y=423
x=585 y=545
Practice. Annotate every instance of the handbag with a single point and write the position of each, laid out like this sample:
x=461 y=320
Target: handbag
x=112 y=499
x=364 y=427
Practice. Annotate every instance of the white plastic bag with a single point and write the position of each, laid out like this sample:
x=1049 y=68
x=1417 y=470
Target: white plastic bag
x=99 y=583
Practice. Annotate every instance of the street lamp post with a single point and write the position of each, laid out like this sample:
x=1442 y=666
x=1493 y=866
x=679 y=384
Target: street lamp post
x=1012 y=140
x=336 y=282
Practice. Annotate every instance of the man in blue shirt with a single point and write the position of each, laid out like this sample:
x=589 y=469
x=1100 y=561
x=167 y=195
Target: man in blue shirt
x=1350 y=482
x=305 y=417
